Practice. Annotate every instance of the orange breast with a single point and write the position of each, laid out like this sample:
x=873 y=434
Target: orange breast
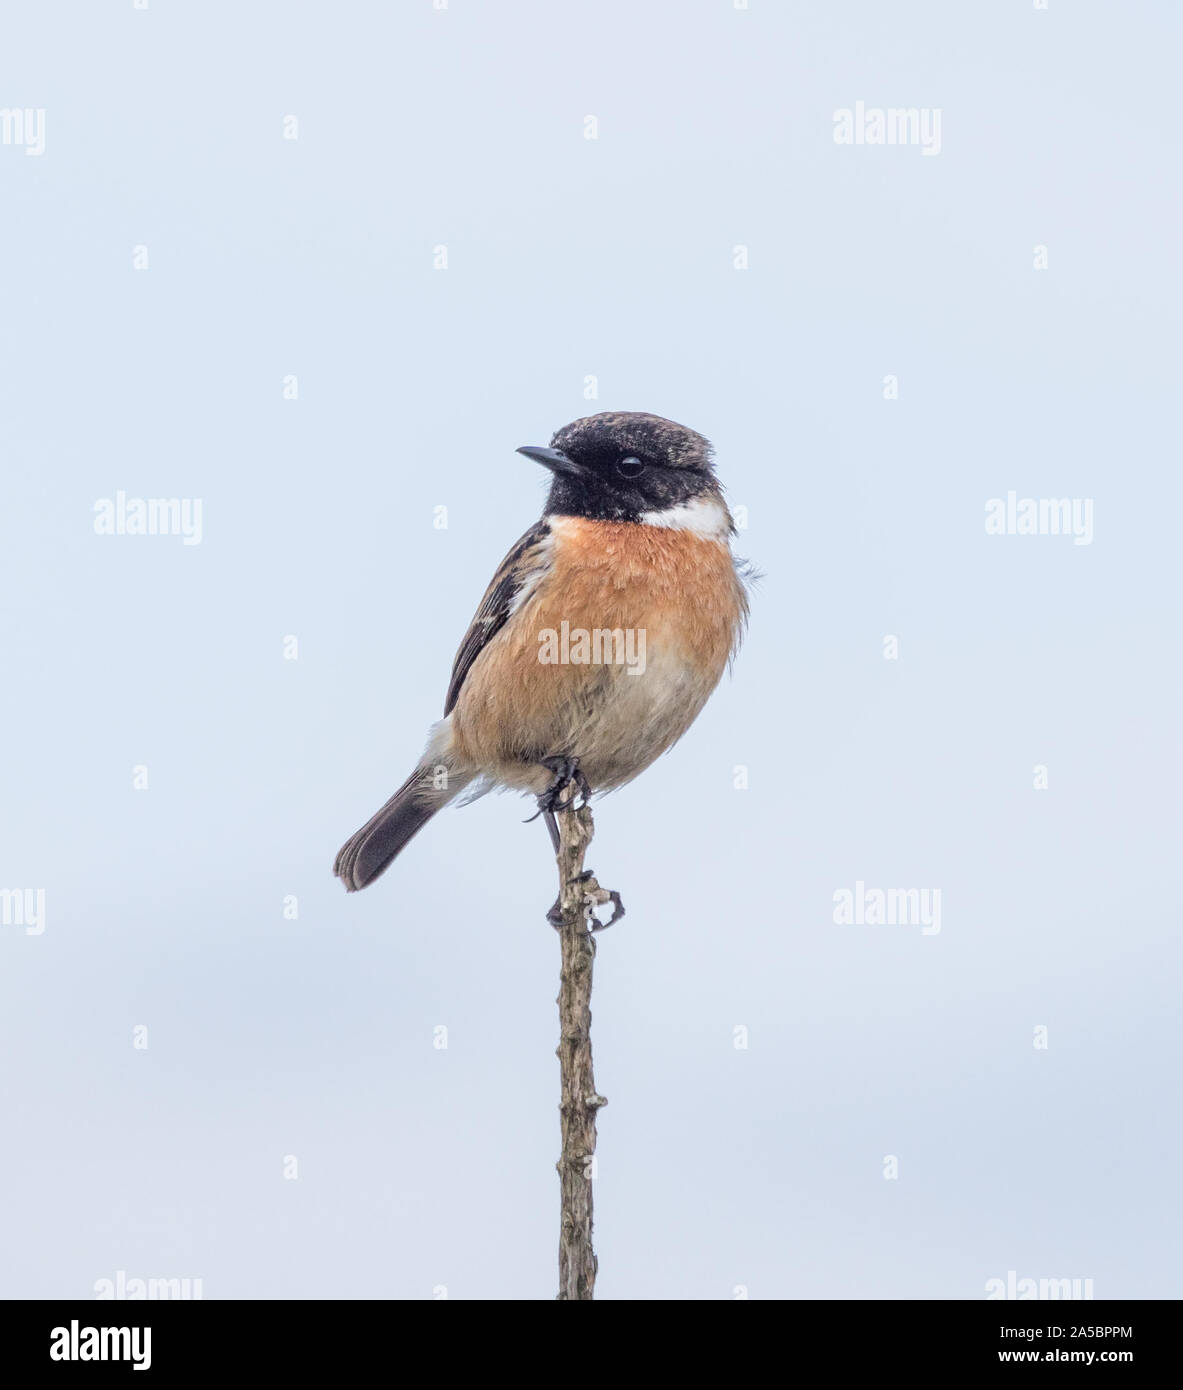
x=675 y=587
x=678 y=585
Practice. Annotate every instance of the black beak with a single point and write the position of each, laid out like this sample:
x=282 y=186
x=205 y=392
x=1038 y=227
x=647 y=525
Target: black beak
x=554 y=459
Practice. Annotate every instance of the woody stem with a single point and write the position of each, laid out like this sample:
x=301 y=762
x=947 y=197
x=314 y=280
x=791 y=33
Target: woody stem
x=579 y=1098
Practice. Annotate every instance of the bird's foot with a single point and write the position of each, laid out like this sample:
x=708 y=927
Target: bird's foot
x=566 y=771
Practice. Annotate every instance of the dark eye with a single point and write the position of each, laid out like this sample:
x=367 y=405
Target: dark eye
x=631 y=467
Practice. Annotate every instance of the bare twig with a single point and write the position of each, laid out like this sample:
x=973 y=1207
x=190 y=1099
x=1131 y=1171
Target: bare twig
x=573 y=915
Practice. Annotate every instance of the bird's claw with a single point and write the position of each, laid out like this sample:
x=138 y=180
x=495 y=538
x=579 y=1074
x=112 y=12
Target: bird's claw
x=566 y=771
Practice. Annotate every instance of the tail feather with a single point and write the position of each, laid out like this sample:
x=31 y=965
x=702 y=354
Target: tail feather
x=371 y=850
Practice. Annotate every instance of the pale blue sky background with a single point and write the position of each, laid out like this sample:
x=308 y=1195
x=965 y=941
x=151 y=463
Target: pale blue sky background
x=567 y=257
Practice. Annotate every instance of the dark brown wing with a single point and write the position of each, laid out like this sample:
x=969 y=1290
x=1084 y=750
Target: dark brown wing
x=519 y=568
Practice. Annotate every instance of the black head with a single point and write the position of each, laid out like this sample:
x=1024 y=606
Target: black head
x=619 y=466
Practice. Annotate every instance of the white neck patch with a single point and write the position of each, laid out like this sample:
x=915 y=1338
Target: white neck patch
x=706 y=516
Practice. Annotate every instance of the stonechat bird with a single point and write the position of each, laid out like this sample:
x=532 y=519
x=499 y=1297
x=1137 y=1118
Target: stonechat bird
x=602 y=635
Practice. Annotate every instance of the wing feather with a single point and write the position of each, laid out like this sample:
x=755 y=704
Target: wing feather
x=520 y=568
